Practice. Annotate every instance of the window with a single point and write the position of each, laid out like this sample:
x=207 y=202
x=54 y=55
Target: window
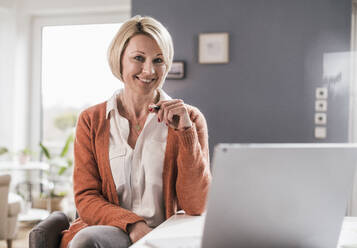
x=69 y=72
x=75 y=75
x=58 y=44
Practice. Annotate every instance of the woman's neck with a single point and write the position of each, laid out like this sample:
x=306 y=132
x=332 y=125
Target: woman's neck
x=136 y=106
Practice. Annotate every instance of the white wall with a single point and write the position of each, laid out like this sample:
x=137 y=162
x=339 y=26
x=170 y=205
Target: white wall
x=7 y=38
x=17 y=82
x=21 y=70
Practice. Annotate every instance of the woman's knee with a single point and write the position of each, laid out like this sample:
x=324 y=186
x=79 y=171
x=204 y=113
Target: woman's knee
x=100 y=237
x=83 y=239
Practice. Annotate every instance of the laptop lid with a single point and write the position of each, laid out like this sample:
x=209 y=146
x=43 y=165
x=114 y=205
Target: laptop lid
x=278 y=195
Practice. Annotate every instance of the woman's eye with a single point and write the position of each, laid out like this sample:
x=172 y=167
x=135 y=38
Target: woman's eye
x=158 y=60
x=139 y=58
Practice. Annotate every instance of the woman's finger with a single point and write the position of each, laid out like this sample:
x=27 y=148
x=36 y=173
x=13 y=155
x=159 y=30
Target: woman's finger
x=163 y=105
x=174 y=115
x=168 y=110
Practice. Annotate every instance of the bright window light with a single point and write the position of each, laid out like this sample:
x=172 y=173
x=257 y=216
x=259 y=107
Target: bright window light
x=75 y=75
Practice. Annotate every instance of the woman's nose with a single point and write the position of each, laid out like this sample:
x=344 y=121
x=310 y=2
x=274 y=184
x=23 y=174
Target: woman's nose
x=148 y=68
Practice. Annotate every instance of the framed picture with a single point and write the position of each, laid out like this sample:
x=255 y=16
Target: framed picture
x=213 y=48
x=177 y=70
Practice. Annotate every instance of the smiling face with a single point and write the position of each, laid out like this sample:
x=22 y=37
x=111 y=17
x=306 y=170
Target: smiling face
x=143 y=66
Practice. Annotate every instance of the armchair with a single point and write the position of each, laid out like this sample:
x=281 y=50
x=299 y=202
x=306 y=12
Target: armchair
x=48 y=233
x=10 y=207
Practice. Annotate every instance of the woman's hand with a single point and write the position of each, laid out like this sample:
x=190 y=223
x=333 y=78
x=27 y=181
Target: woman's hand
x=138 y=230
x=173 y=113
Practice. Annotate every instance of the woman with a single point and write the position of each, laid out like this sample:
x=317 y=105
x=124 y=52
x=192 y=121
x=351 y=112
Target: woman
x=140 y=156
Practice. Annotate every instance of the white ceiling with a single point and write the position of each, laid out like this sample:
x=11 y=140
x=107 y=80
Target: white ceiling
x=66 y=6
x=7 y=3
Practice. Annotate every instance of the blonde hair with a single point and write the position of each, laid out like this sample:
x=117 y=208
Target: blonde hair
x=139 y=25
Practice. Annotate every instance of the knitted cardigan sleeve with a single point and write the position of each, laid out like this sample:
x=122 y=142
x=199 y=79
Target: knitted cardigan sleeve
x=194 y=176
x=92 y=205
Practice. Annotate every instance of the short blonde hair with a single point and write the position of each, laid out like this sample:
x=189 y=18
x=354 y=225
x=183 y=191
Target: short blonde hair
x=139 y=25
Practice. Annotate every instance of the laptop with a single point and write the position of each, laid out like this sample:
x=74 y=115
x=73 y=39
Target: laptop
x=276 y=195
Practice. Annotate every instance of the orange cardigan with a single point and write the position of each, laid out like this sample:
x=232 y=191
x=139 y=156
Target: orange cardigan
x=186 y=174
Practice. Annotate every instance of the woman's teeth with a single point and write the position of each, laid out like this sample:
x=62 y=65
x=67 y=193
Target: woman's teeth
x=146 y=80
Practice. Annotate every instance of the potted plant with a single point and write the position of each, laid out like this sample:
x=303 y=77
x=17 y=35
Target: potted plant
x=58 y=168
x=3 y=152
x=24 y=155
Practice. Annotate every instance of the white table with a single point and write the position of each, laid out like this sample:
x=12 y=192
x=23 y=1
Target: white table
x=182 y=225
x=14 y=165
x=33 y=215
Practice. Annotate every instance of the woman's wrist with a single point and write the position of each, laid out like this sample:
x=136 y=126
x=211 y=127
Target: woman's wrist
x=187 y=124
x=131 y=226
x=184 y=128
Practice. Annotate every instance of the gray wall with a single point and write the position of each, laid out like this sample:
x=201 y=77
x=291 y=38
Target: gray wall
x=267 y=91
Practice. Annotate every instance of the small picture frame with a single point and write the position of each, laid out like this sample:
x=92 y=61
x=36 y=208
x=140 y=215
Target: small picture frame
x=213 y=48
x=177 y=70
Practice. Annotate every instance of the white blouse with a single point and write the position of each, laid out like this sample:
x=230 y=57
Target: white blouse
x=137 y=173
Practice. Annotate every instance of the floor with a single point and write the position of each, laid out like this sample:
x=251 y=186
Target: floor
x=22 y=239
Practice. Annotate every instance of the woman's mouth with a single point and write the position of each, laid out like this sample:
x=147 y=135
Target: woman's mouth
x=146 y=80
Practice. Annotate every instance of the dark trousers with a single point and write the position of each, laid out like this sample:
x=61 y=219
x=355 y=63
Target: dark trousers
x=100 y=237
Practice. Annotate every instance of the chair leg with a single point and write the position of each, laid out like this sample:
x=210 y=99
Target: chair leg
x=9 y=243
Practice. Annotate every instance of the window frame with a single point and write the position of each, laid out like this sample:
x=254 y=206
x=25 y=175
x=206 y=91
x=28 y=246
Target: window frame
x=38 y=23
